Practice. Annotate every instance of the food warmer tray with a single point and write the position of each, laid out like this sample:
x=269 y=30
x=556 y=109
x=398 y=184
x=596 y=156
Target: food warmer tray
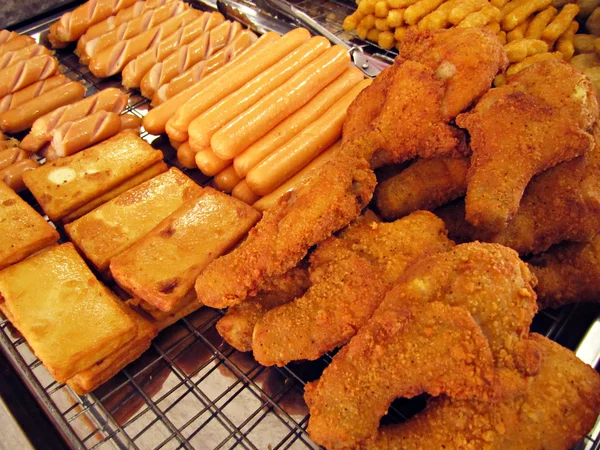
x=191 y=390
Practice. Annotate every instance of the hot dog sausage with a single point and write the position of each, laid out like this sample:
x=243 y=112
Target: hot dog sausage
x=130 y=122
x=17 y=42
x=11 y=155
x=10 y=58
x=226 y=179
x=13 y=174
x=243 y=192
x=32 y=91
x=186 y=156
x=209 y=163
x=24 y=73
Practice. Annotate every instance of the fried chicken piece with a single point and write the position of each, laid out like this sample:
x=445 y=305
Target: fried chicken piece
x=467 y=58
x=398 y=117
x=350 y=275
x=426 y=184
x=485 y=283
x=560 y=405
x=399 y=353
x=568 y=273
x=334 y=196
x=237 y=325
x=521 y=129
x=560 y=204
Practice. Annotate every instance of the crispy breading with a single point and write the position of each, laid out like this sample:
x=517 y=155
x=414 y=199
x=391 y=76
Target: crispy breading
x=521 y=129
x=237 y=325
x=560 y=405
x=468 y=59
x=334 y=196
x=568 y=273
x=426 y=184
x=349 y=277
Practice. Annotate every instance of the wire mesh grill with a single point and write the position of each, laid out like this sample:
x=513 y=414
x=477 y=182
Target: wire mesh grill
x=191 y=390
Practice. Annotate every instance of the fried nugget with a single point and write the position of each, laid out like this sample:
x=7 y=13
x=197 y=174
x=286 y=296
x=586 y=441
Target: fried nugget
x=426 y=184
x=521 y=129
x=560 y=405
x=568 y=273
x=335 y=195
x=350 y=275
x=237 y=325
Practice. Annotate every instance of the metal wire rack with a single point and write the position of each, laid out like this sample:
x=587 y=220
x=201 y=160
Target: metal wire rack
x=191 y=390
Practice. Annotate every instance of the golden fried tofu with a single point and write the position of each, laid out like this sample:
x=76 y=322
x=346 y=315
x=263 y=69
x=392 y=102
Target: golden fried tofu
x=104 y=370
x=70 y=319
x=162 y=266
x=66 y=184
x=113 y=227
x=187 y=305
x=22 y=230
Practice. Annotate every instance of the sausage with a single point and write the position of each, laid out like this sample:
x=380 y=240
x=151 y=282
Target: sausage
x=13 y=174
x=243 y=192
x=156 y=119
x=149 y=19
x=24 y=73
x=202 y=68
x=10 y=58
x=136 y=69
x=113 y=59
x=111 y=99
x=7 y=143
x=203 y=127
x=73 y=137
x=32 y=91
x=188 y=55
x=295 y=123
x=6 y=35
x=73 y=24
x=112 y=22
x=208 y=163
x=295 y=154
x=226 y=179
x=23 y=116
x=231 y=80
x=11 y=155
x=265 y=114
x=186 y=156
x=300 y=178
x=130 y=122
x=17 y=42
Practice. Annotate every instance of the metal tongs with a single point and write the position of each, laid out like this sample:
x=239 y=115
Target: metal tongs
x=370 y=65
x=253 y=18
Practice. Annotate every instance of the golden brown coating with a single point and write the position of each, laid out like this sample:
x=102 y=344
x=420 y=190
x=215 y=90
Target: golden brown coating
x=426 y=184
x=560 y=204
x=468 y=59
x=560 y=405
x=22 y=230
x=483 y=290
x=349 y=277
x=568 y=273
x=335 y=195
x=436 y=348
x=521 y=129
x=70 y=319
x=237 y=325
x=162 y=266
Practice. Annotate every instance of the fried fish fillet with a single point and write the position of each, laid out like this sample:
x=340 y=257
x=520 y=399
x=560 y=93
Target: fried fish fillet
x=237 y=325
x=349 y=275
x=568 y=273
x=426 y=184
x=334 y=196
x=521 y=129
x=560 y=405
x=412 y=343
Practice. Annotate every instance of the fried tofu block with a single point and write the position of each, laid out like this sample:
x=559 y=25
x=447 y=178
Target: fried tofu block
x=66 y=184
x=146 y=174
x=187 y=305
x=70 y=319
x=113 y=227
x=104 y=370
x=163 y=266
x=22 y=230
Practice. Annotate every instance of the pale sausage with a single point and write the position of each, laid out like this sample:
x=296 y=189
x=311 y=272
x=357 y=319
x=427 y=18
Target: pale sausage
x=226 y=180
x=243 y=192
x=208 y=163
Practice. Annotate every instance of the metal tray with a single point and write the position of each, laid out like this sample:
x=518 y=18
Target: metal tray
x=192 y=390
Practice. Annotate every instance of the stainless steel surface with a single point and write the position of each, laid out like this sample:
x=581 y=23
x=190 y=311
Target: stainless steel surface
x=190 y=389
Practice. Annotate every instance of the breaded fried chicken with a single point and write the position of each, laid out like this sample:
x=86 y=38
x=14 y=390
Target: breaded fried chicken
x=349 y=277
x=521 y=129
x=560 y=405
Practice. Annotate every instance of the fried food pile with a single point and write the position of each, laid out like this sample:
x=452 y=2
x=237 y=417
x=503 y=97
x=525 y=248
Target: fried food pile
x=413 y=312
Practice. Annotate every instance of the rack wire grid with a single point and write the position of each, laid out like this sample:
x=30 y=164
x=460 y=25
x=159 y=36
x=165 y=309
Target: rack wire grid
x=191 y=390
